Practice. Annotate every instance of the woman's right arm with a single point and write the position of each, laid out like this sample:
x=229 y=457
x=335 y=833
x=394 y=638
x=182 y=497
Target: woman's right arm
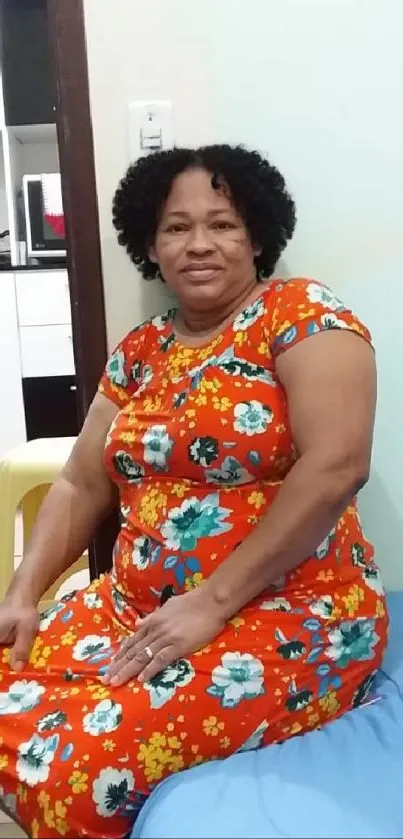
x=77 y=502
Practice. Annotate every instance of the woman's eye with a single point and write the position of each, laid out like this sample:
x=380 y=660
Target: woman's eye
x=175 y=228
x=223 y=225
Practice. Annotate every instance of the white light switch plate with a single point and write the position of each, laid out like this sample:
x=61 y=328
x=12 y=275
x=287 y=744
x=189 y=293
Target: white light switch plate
x=150 y=127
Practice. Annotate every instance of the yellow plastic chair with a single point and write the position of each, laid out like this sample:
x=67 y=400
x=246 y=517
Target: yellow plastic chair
x=26 y=474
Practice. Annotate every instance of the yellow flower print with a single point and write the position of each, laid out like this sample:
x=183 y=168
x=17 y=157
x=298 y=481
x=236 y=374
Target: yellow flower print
x=313 y=720
x=39 y=653
x=35 y=829
x=149 y=506
x=222 y=405
x=330 y=703
x=68 y=639
x=78 y=781
x=204 y=352
x=152 y=404
x=179 y=490
x=194 y=581
x=325 y=576
x=97 y=618
x=257 y=499
x=212 y=727
x=22 y=794
x=209 y=385
x=353 y=599
x=201 y=400
x=380 y=609
x=98 y=691
x=203 y=651
x=225 y=742
x=3 y=761
x=108 y=746
x=155 y=758
x=240 y=338
x=237 y=621
x=263 y=348
x=127 y=437
x=6 y=655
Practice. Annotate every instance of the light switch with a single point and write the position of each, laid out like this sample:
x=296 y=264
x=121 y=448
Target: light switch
x=150 y=127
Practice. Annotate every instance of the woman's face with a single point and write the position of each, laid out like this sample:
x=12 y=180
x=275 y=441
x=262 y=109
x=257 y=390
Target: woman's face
x=202 y=245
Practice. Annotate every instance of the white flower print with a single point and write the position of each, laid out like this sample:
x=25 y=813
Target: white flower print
x=372 y=578
x=119 y=601
x=322 y=607
x=92 y=600
x=252 y=417
x=317 y=293
x=330 y=321
x=248 y=316
x=157 y=446
x=47 y=617
x=239 y=676
x=34 y=759
x=194 y=520
x=105 y=717
x=164 y=685
x=323 y=549
x=9 y=800
x=111 y=790
x=160 y=321
x=276 y=604
x=145 y=377
x=141 y=553
x=230 y=472
x=91 y=645
x=21 y=697
x=352 y=640
x=255 y=739
x=51 y=721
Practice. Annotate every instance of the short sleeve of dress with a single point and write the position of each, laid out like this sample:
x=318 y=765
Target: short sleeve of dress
x=122 y=374
x=302 y=308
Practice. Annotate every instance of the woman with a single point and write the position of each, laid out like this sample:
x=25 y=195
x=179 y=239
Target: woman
x=244 y=605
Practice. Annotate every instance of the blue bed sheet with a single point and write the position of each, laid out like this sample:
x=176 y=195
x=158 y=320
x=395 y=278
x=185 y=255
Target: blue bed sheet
x=343 y=781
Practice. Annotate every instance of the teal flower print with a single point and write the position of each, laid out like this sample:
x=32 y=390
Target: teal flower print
x=144 y=551
x=21 y=697
x=194 y=520
x=372 y=578
x=352 y=641
x=252 y=417
x=115 y=369
x=34 y=759
x=323 y=549
x=127 y=467
x=230 y=472
x=105 y=717
x=317 y=293
x=164 y=685
x=157 y=447
x=203 y=450
x=323 y=606
x=91 y=648
x=248 y=316
x=239 y=676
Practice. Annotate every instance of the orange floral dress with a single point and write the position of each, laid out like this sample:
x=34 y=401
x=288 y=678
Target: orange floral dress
x=199 y=449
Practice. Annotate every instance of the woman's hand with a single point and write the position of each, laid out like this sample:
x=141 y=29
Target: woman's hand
x=184 y=624
x=18 y=627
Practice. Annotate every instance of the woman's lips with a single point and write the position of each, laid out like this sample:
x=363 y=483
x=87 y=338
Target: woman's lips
x=200 y=273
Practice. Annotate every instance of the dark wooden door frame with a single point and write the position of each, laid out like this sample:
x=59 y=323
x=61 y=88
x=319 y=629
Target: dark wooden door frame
x=73 y=115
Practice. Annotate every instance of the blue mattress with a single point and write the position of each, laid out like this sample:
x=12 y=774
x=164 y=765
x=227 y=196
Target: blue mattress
x=343 y=781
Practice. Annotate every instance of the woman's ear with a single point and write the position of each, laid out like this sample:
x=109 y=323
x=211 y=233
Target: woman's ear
x=256 y=251
x=152 y=254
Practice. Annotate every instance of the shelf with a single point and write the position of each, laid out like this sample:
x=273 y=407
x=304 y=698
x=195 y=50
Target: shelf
x=34 y=134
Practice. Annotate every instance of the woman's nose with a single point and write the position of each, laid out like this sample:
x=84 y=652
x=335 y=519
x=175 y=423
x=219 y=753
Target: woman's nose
x=199 y=240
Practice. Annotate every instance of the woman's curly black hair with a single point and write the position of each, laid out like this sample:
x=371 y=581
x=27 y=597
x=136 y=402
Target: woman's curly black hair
x=257 y=189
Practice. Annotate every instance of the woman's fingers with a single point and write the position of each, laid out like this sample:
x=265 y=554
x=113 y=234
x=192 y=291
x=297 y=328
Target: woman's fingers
x=159 y=662
x=124 y=670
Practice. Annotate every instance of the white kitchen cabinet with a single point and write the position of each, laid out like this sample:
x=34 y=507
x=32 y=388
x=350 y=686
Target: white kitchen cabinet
x=47 y=350
x=43 y=298
x=12 y=418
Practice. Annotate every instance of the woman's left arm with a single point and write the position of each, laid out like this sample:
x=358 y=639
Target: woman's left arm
x=330 y=384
